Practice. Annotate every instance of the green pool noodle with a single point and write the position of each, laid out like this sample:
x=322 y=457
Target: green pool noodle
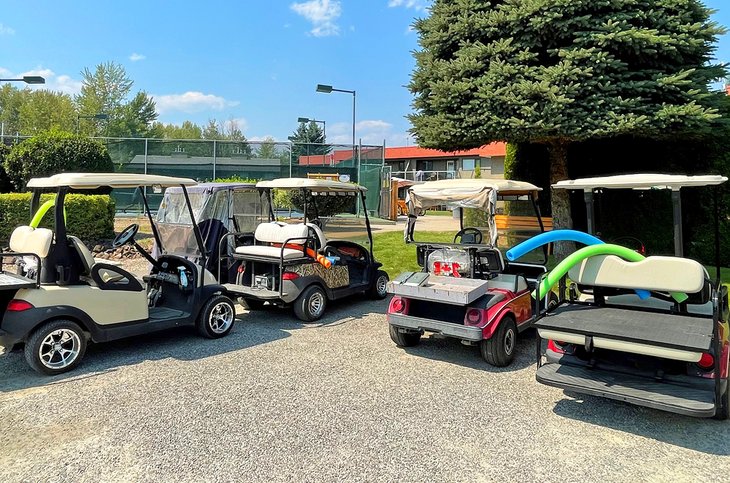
x=591 y=251
x=36 y=220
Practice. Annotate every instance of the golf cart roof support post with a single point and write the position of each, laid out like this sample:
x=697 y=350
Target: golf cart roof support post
x=715 y=196
x=367 y=225
x=35 y=201
x=61 y=252
x=590 y=211
x=461 y=218
x=147 y=210
x=536 y=207
x=677 y=217
x=198 y=235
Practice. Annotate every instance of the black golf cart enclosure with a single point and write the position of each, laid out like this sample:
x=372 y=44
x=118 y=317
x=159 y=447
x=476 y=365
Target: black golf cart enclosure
x=666 y=350
x=314 y=248
x=219 y=209
x=64 y=298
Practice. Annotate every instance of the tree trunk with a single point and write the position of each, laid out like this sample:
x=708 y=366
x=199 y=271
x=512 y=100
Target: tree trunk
x=560 y=199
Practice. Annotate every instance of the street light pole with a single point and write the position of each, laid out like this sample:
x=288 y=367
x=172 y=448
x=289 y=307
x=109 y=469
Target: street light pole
x=324 y=125
x=28 y=79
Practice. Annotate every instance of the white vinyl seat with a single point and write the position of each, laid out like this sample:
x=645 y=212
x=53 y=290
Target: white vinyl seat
x=26 y=239
x=277 y=233
x=321 y=239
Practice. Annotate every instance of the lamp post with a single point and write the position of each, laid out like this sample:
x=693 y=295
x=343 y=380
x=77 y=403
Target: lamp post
x=324 y=125
x=79 y=117
x=327 y=89
x=28 y=79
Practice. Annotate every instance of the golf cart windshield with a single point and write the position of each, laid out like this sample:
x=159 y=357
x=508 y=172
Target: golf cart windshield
x=332 y=205
x=218 y=208
x=482 y=204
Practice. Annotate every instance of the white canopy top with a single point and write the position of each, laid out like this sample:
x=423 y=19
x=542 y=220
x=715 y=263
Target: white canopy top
x=310 y=184
x=113 y=180
x=641 y=182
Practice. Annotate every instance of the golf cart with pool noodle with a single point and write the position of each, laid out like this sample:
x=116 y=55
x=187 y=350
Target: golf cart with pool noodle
x=648 y=331
x=69 y=298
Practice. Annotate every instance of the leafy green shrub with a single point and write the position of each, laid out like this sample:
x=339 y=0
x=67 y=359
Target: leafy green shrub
x=5 y=184
x=235 y=179
x=55 y=152
x=89 y=217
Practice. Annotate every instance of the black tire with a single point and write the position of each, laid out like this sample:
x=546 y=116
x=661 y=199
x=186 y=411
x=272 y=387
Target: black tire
x=378 y=290
x=252 y=304
x=67 y=336
x=311 y=304
x=217 y=317
x=404 y=339
x=499 y=350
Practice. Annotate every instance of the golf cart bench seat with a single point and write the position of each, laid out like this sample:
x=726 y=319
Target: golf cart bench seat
x=26 y=239
x=676 y=336
x=284 y=235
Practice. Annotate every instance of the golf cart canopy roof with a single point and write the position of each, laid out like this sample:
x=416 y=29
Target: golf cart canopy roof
x=112 y=180
x=310 y=184
x=213 y=187
x=466 y=193
x=641 y=182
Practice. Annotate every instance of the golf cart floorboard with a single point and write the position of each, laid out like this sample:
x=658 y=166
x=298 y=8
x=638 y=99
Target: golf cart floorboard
x=673 y=396
x=661 y=329
x=11 y=281
x=253 y=292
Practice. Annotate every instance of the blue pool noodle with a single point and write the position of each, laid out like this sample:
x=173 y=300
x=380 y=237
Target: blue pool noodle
x=559 y=235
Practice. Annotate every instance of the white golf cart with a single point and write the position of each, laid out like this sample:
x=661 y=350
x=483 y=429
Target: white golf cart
x=60 y=297
x=309 y=252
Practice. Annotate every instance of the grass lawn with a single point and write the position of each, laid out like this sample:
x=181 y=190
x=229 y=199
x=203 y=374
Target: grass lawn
x=398 y=257
x=439 y=213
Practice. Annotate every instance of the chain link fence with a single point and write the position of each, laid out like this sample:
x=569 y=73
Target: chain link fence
x=208 y=160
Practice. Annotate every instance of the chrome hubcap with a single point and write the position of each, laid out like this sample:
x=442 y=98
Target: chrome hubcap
x=509 y=341
x=59 y=349
x=221 y=318
x=316 y=304
x=382 y=285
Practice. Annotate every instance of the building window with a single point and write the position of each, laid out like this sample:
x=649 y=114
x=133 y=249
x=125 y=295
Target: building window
x=468 y=164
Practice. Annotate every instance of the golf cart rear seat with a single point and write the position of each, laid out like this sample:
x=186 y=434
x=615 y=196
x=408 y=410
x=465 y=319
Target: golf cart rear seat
x=26 y=239
x=673 y=335
x=279 y=234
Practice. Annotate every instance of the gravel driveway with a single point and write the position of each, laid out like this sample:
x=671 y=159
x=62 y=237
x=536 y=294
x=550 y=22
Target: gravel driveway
x=334 y=401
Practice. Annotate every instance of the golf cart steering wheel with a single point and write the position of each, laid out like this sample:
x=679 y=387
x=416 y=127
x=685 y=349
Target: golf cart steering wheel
x=470 y=232
x=126 y=236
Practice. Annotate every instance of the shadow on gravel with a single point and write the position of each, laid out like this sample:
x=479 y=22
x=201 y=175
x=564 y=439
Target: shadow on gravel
x=446 y=349
x=251 y=329
x=705 y=435
x=181 y=343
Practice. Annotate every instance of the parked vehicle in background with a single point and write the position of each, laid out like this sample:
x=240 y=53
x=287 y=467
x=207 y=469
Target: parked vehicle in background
x=302 y=259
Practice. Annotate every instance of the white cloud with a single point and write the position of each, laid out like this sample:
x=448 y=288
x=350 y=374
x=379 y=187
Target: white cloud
x=418 y=5
x=135 y=57
x=323 y=15
x=239 y=122
x=5 y=30
x=191 y=102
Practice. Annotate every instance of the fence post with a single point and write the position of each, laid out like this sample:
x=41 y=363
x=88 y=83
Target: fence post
x=291 y=153
x=145 y=155
x=214 y=155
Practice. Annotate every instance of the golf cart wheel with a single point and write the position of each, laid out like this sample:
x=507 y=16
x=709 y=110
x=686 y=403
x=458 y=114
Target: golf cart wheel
x=55 y=347
x=253 y=304
x=217 y=317
x=379 y=288
x=499 y=350
x=404 y=339
x=311 y=304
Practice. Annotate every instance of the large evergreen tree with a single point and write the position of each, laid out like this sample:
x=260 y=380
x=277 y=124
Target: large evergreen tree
x=308 y=140
x=560 y=71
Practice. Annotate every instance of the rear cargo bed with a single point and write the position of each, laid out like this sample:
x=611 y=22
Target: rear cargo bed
x=673 y=331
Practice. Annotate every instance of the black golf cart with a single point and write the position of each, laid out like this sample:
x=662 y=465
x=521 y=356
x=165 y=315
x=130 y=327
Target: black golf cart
x=62 y=300
x=315 y=248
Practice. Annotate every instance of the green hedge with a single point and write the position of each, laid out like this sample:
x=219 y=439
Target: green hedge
x=89 y=217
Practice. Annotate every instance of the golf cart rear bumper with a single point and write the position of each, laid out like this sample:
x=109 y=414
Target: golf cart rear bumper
x=448 y=329
x=689 y=396
x=265 y=295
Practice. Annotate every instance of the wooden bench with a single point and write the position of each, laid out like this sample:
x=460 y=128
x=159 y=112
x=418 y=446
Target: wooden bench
x=522 y=223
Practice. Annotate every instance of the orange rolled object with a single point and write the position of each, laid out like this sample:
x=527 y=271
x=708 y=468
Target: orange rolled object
x=321 y=259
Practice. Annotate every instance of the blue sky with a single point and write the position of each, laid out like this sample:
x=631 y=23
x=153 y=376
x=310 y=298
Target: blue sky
x=251 y=60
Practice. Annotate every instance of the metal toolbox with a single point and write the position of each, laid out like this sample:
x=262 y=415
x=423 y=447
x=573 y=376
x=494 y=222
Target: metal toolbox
x=449 y=290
